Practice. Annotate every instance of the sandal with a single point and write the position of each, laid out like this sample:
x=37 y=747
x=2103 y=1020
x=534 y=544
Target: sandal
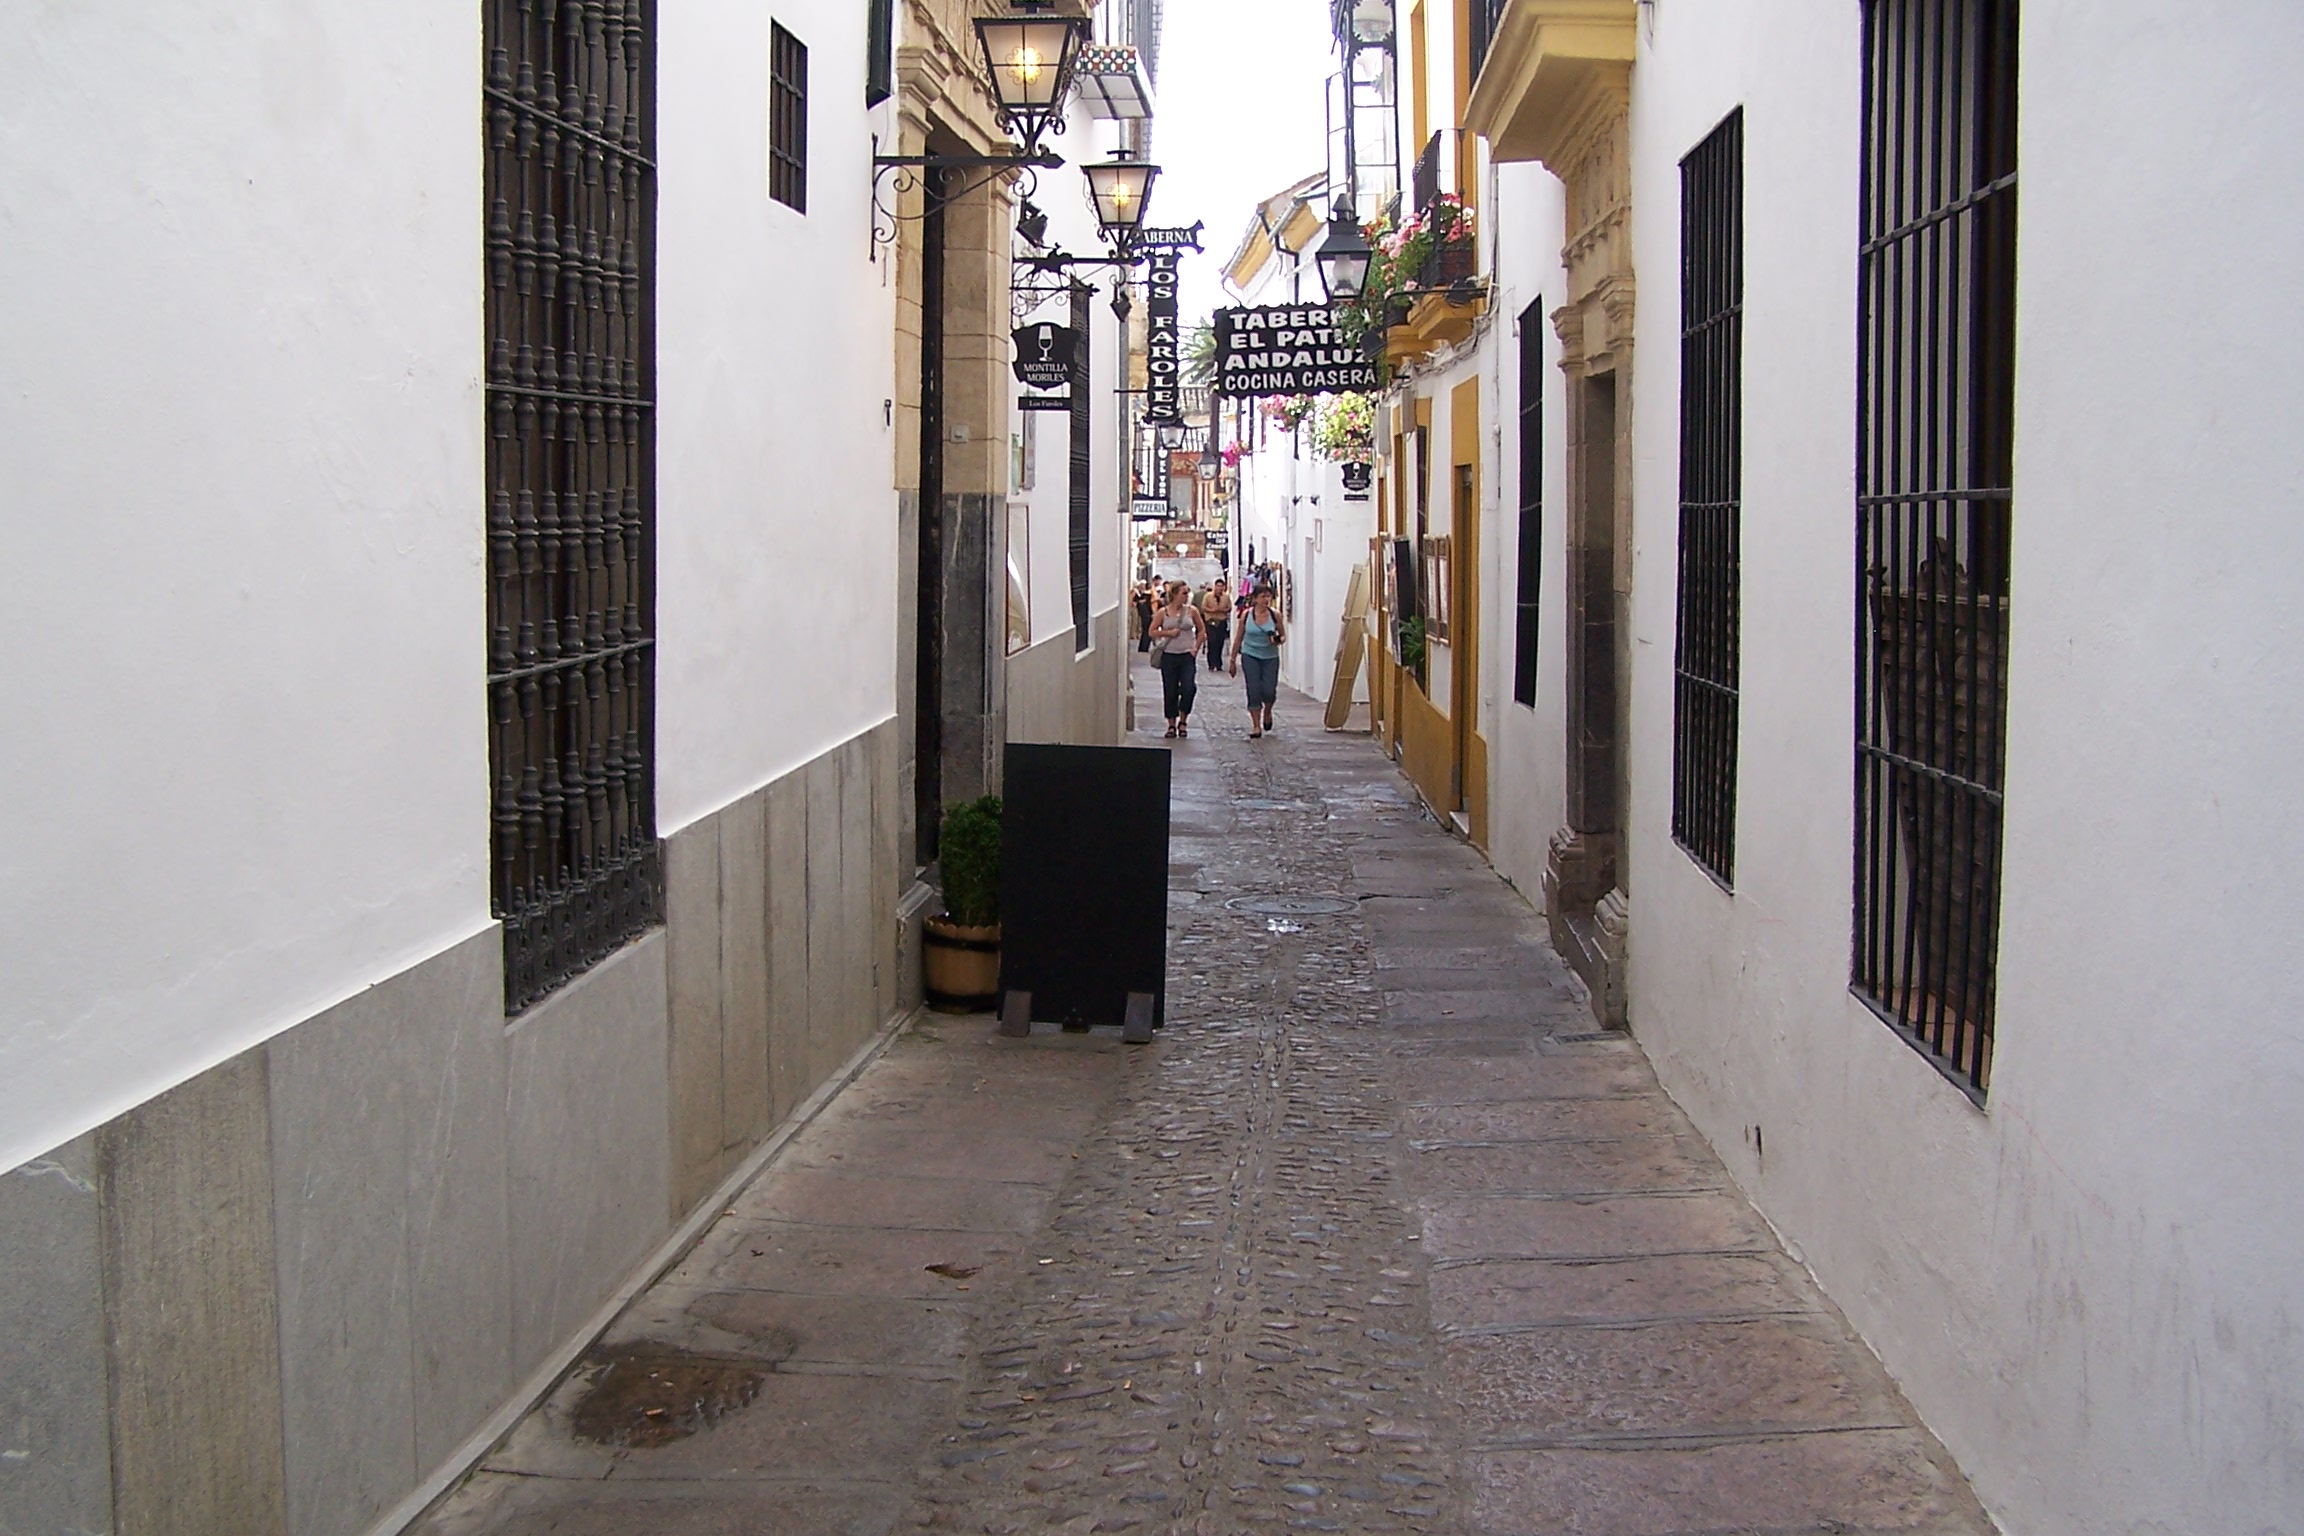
x=1255 y=735
x=1171 y=730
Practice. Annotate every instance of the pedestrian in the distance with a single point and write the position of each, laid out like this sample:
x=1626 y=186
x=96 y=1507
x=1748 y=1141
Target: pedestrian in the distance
x=1143 y=596
x=1177 y=635
x=1216 y=617
x=1256 y=651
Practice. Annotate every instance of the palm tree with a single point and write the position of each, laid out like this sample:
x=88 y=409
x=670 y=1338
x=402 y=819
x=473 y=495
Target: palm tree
x=1200 y=354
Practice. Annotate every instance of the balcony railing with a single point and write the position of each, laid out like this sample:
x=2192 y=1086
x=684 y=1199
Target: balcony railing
x=1432 y=166
x=1487 y=16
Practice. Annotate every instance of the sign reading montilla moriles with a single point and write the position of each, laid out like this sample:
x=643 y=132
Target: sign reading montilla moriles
x=1043 y=355
x=1287 y=349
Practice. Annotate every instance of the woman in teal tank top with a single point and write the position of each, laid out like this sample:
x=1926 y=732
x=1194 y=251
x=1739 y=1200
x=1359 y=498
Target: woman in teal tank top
x=1256 y=650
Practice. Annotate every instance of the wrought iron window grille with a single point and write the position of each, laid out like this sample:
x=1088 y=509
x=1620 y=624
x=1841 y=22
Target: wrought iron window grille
x=1076 y=491
x=567 y=111
x=787 y=119
x=880 y=52
x=1705 y=701
x=1526 y=609
x=1935 y=454
x=1486 y=16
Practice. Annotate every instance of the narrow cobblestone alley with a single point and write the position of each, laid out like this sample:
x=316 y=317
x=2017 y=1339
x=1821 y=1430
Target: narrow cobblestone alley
x=1378 y=1237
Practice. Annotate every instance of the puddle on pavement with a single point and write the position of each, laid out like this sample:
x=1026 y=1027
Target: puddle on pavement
x=647 y=1395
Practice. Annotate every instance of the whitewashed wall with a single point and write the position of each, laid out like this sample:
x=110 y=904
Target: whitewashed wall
x=2089 y=1286
x=1063 y=196
x=240 y=460
x=1527 y=745
x=1292 y=508
x=776 y=521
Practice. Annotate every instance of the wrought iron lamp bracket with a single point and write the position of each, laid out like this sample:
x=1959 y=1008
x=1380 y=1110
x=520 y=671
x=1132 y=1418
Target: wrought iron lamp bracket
x=885 y=219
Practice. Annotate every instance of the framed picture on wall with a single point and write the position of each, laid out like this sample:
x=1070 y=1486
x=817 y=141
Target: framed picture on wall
x=1439 y=585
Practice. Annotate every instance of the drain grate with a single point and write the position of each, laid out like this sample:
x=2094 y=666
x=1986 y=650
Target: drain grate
x=1291 y=906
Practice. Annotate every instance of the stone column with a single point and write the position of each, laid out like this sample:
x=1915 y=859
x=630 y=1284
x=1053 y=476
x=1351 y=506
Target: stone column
x=1585 y=900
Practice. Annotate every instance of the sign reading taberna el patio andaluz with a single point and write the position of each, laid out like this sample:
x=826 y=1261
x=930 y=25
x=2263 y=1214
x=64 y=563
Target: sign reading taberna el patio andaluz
x=1287 y=349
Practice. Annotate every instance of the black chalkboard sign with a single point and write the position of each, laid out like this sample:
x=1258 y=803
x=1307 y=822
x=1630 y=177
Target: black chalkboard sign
x=1083 y=886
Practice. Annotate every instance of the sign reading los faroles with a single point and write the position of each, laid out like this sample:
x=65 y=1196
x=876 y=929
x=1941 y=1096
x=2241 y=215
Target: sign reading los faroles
x=1163 y=359
x=1288 y=349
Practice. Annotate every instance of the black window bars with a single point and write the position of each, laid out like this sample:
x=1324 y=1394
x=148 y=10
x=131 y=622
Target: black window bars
x=1934 y=465
x=1077 y=503
x=1525 y=609
x=1704 y=656
x=787 y=119
x=568 y=113
x=1484 y=18
x=879 y=52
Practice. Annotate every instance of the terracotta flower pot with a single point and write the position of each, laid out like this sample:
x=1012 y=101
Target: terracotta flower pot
x=963 y=966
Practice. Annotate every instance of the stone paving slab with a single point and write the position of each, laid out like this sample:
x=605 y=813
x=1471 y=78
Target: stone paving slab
x=1379 y=1236
x=495 y=1504
x=885 y=1200
x=1615 y=1384
x=1435 y=1126
x=1866 y=1483
x=1460 y=1228
x=1601 y=1166
x=807 y=1259
x=1509 y=1295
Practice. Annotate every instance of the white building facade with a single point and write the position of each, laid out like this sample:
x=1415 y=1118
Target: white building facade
x=473 y=713
x=1294 y=510
x=1892 y=717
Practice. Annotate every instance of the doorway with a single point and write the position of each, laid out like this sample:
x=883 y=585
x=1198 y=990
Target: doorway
x=1464 y=626
x=1595 y=767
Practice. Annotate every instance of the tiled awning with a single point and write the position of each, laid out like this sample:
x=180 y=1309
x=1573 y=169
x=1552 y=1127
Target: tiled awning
x=1110 y=80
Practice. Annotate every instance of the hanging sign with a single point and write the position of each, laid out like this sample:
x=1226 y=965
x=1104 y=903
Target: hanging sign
x=1043 y=402
x=1150 y=511
x=1288 y=349
x=1163 y=396
x=1043 y=355
x=1167 y=239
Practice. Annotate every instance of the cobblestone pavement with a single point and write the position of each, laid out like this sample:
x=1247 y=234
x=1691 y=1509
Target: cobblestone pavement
x=1377 y=1237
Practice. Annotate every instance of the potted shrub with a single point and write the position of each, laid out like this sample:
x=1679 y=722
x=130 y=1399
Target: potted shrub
x=963 y=946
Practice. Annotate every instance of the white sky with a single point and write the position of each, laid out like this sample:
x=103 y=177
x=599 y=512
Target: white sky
x=1240 y=114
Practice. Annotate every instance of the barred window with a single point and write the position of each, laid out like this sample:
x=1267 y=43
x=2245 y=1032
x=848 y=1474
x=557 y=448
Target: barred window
x=787 y=119
x=1936 y=376
x=1704 y=655
x=1077 y=492
x=1524 y=609
x=880 y=53
x=569 y=112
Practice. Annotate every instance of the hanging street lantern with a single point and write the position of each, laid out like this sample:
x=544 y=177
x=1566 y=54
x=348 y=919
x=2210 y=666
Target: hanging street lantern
x=1343 y=256
x=1172 y=436
x=1372 y=23
x=1118 y=189
x=1029 y=55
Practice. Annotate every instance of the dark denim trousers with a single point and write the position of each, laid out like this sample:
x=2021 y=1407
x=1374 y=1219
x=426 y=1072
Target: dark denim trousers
x=1178 y=683
x=1218 y=630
